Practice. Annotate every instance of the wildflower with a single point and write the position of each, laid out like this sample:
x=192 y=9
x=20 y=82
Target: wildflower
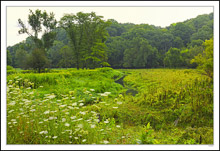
x=83 y=113
x=58 y=100
x=105 y=142
x=12 y=103
x=80 y=101
x=103 y=94
x=32 y=110
x=80 y=119
x=107 y=93
x=9 y=123
x=51 y=118
x=92 y=126
x=73 y=98
x=46 y=112
x=13 y=120
x=114 y=107
x=106 y=121
x=61 y=106
x=67 y=113
x=63 y=119
x=67 y=124
x=83 y=140
x=73 y=117
x=41 y=86
x=40 y=122
x=51 y=96
x=81 y=104
x=31 y=93
x=118 y=126
x=10 y=111
x=74 y=104
x=80 y=125
x=70 y=107
x=43 y=132
x=119 y=103
x=28 y=88
x=92 y=90
x=76 y=137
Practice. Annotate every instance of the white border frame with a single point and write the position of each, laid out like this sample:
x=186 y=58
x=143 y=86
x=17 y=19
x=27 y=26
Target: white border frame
x=4 y=4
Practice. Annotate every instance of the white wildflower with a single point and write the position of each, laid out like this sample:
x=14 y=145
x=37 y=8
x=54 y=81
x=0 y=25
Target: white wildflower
x=63 y=119
x=32 y=110
x=54 y=137
x=118 y=126
x=83 y=140
x=81 y=104
x=46 y=112
x=73 y=117
x=80 y=125
x=67 y=124
x=106 y=121
x=62 y=106
x=107 y=93
x=74 y=104
x=105 y=142
x=92 y=126
x=83 y=113
x=119 y=103
x=10 y=111
x=92 y=90
x=115 y=107
x=51 y=118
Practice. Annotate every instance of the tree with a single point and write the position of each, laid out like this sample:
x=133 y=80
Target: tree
x=36 y=20
x=9 y=58
x=54 y=53
x=38 y=60
x=85 y=30
x=66 y=57
x=20 y=58
x=205 y=59
x=173 y=58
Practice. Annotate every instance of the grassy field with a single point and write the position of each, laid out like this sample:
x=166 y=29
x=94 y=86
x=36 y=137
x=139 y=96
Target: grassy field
x=106 y=106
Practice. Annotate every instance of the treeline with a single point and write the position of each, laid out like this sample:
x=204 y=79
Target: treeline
x=85 y=40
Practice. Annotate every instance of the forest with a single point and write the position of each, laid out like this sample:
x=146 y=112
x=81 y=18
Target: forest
x=86 y=80
x=92 y=42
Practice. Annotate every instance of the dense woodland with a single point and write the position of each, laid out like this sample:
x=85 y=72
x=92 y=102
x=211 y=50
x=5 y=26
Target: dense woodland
x=85 y=40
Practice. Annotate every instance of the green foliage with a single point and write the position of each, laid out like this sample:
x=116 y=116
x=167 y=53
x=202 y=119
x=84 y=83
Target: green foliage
x=205 y=59
x=86 y=106
x=87 y=33
x=38 y=60
x=9 y=58
x=173 y=58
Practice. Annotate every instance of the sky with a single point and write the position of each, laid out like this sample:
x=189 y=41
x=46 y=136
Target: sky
x=158 y=16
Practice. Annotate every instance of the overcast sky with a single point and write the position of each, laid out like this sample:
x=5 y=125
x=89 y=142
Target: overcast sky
x=158 y=16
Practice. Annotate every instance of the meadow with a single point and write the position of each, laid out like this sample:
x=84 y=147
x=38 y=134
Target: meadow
x=109 y=106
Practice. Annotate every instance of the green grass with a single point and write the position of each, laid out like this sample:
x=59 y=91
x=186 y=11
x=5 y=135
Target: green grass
x=69 y=106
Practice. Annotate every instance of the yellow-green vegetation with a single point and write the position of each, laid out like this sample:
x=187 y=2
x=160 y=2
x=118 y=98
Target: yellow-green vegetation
x=69 y=106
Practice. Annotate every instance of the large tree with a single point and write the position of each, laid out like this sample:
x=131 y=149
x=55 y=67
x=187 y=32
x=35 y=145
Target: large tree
x=87 y=33
x=39 y=21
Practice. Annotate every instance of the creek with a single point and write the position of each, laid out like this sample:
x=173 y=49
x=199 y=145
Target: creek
x=129 y=90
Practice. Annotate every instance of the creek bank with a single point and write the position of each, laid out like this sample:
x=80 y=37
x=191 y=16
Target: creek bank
x=131 y=91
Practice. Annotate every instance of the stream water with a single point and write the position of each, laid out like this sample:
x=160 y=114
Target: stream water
x=131 y=91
